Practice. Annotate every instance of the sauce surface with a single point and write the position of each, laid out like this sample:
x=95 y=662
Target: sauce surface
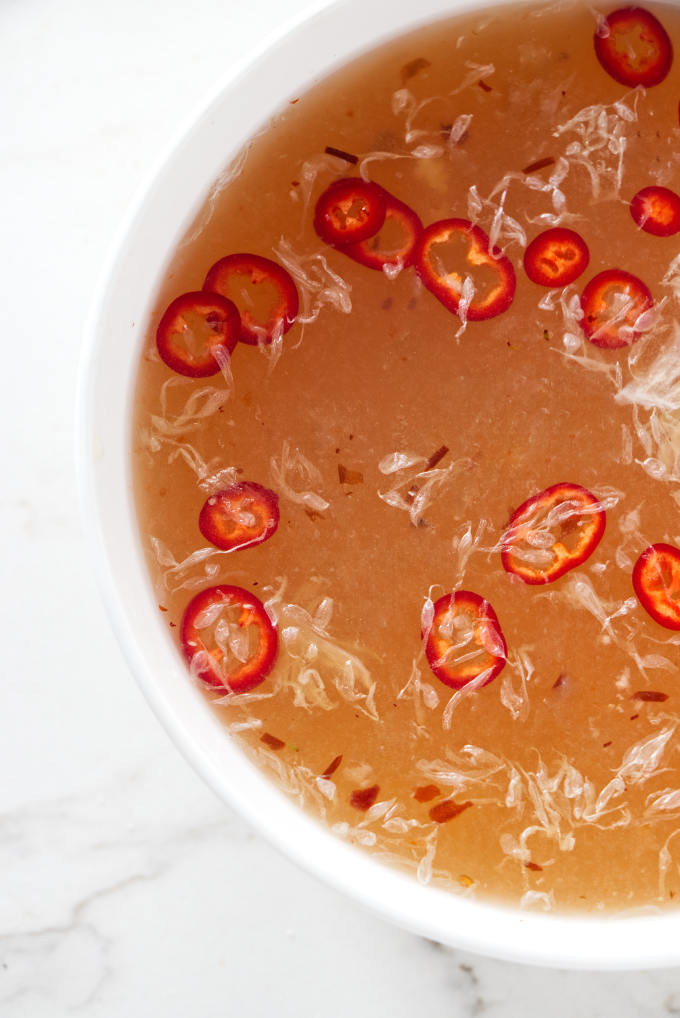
x=401 y=439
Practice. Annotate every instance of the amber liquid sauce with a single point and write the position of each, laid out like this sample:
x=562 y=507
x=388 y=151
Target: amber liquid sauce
x=516 y=414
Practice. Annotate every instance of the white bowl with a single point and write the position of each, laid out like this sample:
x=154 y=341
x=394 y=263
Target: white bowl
x=325 y=38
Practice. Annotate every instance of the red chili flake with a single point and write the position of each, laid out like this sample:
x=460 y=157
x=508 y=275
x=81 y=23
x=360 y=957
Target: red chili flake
x=634 y=717
x=412 y=68
x=534 y=866
x=483 y=85
x=562 y=680
x=540 y=164
x=612 y=303
x=426 y=793
x=436 y=457
x=556 y=257
x=448 y=810
x=260 y=278
x=363 y=798
x=394 y=243
x=341 y=154
x=333 y=766
x=235 y=607
x=452 y=250
x=633 y=47
x=656 y=210
x=349 y=211
x=196 y=332
x=162 y=607
x=272 y=741
x=464 y=640
x=656 y=581
x=239 y=516
x=346 y=476
x=605 y=744
x=649 y=696
x=552 y=532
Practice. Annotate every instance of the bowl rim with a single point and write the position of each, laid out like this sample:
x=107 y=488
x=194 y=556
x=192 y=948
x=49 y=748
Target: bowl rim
x=504 y=932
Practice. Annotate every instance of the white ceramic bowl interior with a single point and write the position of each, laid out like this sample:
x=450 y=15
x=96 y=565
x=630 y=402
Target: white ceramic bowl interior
x=287 y=65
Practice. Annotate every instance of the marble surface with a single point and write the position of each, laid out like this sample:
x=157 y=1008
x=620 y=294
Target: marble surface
x=126 y=887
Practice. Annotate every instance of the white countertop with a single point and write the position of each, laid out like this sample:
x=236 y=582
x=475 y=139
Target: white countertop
x=126 y=887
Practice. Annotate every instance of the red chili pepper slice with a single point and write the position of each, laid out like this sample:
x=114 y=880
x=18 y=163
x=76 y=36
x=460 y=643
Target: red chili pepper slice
x=228 y=639
x=197 y=330
x=612 y=302
x=464 y=640
x=262 y=290
x=556 y=257
x=656 y=581
x=656 y=210
x=450 y=250
x=395 y=241
x=633 y=47
x=552 y=532
x=243 y=514
x=349 y=211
